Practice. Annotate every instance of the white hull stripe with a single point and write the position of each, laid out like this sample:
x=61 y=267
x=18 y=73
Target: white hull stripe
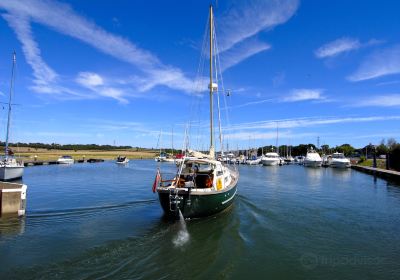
x=229 y=199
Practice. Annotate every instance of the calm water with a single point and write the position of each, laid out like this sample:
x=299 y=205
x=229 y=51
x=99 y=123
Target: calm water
x=101 y=221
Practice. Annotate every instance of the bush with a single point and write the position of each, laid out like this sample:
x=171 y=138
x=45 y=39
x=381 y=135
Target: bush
x=362 y=159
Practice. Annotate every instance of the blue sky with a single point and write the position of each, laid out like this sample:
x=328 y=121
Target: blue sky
x=105 y=71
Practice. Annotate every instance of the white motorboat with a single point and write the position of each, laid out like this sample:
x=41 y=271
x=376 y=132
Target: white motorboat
x=339 y=161
x=271 y=159
x=313 y=159
x=65 y=160
x=122 y=160
x=253 y=161
x=10 y=168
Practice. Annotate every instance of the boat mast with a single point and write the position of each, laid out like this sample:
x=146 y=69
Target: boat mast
x=9 y=106
x=211 y=84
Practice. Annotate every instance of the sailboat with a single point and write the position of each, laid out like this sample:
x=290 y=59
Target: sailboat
x=202 y=186
x=10 y=168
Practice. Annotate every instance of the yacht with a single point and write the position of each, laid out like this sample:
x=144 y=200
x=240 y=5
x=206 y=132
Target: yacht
x=122 y=160
x=271 y=159
x=202 y=185
x=339 y=161
x=10 y=168
x=313 y=159
x=65 y=160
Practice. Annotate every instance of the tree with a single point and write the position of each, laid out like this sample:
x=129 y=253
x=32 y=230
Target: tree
x=391 y=143
x=347 y=149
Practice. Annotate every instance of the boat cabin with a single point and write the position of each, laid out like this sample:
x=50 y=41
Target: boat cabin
x=200 y=174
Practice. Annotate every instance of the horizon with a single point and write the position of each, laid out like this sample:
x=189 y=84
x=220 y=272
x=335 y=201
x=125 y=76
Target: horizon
x=120 y=73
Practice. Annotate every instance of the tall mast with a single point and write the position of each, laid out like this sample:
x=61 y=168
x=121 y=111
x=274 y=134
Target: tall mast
x=211 y=84
x=172 y=140
x=9 y=105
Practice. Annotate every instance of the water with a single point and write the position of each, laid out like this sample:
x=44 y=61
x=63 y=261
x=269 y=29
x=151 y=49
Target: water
x=101 y=221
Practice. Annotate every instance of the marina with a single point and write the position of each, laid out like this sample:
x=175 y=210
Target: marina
x=299 y=222
x=191 y=140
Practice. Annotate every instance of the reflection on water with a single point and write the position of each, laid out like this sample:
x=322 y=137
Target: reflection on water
x=101 y=221
x=11 y=227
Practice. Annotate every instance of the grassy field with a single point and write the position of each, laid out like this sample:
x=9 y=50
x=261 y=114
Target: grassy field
x=28 y=154
x=381 y=163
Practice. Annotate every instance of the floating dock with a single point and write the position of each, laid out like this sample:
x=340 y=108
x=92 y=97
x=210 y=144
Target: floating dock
x=12 y=199
x=379 y=172
x=50 y=162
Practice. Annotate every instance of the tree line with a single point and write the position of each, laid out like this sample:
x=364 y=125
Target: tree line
x=55 y=146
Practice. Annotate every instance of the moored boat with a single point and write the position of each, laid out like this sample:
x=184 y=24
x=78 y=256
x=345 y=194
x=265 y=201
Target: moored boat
x=10 y=168
x=271 y=159
x=65 y=160
x=312 y=159
x=122 y=160
x=339 y=161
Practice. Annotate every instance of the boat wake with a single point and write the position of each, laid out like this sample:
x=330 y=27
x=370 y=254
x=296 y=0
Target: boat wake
x=183 y=235
x=77 y=211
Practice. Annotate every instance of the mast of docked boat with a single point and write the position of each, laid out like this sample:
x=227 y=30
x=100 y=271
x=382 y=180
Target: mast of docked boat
x=212 y=150
x=9 y=106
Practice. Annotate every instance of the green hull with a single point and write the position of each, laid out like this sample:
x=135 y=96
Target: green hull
x=199 y=205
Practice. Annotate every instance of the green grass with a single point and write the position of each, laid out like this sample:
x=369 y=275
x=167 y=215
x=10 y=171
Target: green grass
x=381 y=163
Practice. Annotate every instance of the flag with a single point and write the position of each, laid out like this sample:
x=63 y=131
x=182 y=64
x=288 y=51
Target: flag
x=156 y=180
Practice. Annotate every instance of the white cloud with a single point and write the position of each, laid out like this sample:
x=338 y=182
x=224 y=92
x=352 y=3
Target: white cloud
x=342 y=45
x=43 y=74
x=241 y=52
x=389 y=100
x=247 y=18
x=380 y=63
x=239 y=26
x=89 y=79
x=308 y=122
x=304 y=95
x=53 y=14
x=337 y=47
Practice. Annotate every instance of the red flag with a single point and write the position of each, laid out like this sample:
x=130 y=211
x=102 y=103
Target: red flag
x=156 y=181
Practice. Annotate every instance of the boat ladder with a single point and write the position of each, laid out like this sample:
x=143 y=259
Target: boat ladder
x=174 y=200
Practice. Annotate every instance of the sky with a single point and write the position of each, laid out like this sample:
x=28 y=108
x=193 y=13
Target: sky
x=120 y=72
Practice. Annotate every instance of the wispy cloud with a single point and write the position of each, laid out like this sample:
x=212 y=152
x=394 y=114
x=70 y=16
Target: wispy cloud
x=43 y=74
x=342 y=45
x=308 y=122
x=254 y=103
x=52 y=14
x=295 y=95
x=389 y=100
x=96 y=84
x=247 y=18
x=338 y=46
x=239 y=26
x=304 y=95
x=89 y=79
x=380 y=63
x=241 y=52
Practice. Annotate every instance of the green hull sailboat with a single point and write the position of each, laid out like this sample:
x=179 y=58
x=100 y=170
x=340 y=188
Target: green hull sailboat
x=202 y=186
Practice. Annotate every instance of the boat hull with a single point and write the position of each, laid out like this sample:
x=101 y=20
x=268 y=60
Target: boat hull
x=65 y=161
x=10 y=173
x=199 y=205
x=335 y=164
x=270 y=162
x=312 y=163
